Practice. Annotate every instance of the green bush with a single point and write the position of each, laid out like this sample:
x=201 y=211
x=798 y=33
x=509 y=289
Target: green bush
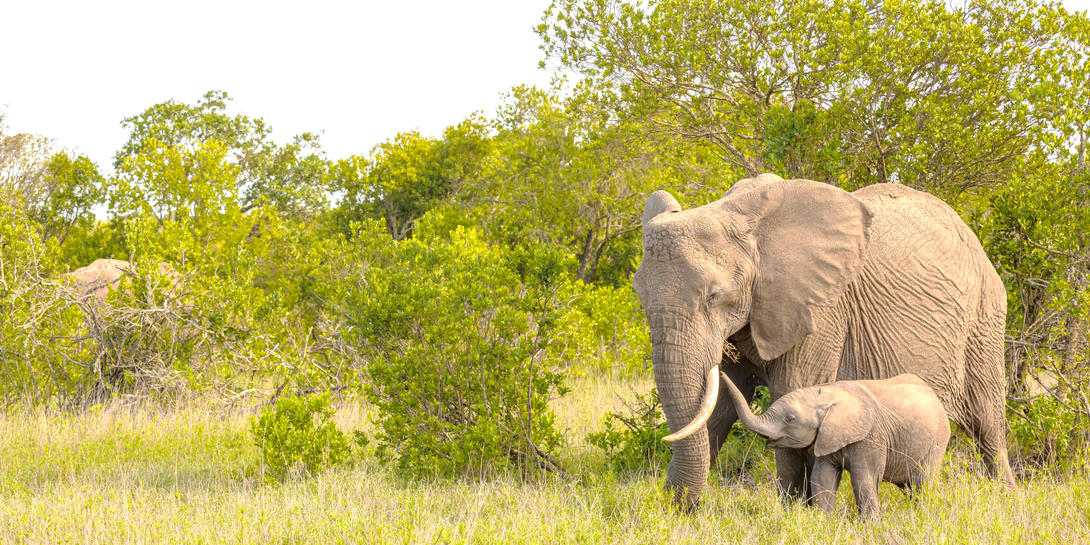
x=633 y=442
x=1046 y=433
x=459 y=346
x=38 y=321
x=297 y=435
x=606 y=327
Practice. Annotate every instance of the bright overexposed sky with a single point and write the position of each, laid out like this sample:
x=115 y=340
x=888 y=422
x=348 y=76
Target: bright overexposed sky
x=356 y=71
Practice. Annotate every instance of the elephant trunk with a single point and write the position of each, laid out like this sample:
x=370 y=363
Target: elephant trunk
x=762 y=425
x=680 y=378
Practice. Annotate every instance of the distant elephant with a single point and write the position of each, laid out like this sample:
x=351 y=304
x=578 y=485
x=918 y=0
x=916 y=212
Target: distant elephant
x=103 y=275
x=893 y=430
x=813 y=284
x=98 y=278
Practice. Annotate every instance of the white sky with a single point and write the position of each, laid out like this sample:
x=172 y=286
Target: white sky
x=356 y=71
x=359 y=72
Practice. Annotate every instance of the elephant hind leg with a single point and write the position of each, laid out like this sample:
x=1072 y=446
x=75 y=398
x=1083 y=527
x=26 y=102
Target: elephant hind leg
x=989 y=434
x=985 y=420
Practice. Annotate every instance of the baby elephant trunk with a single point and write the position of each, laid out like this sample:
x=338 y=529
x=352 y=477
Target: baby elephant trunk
x=762 y=425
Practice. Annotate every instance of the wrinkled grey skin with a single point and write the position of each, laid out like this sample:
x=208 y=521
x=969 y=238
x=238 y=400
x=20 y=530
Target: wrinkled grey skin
x=813 y=284
x=892 y=430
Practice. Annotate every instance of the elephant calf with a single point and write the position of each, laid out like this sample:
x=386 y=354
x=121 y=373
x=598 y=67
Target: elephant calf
x=892 y=430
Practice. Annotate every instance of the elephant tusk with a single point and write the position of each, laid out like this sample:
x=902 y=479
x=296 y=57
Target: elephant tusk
x=707 y=405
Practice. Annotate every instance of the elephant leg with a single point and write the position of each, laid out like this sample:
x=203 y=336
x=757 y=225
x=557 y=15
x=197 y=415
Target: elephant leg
x=992 y=444
x=986 y=386
x=824 y=480
x=866 y=468
x=792 y=474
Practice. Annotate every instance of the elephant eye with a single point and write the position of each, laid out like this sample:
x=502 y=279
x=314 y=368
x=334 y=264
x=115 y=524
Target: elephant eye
x=789 y=418
x=720 y=295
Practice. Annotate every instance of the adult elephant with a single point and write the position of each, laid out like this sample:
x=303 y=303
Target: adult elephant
x=814 y=284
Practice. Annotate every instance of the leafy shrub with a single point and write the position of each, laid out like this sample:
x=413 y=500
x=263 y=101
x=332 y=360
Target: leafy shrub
x=459 y=341
x=297 y=434
x=633 y=441
x=1046 y=433
x=35 y=318
x=606 y=329
x=150 y=335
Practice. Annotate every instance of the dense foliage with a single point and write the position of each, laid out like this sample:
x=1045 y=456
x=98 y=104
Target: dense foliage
x=463 y=349
x=456 y=280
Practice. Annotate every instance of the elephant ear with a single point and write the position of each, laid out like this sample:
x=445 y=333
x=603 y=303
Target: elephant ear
x=850 y=415
x=658 y=203
x=811 y=239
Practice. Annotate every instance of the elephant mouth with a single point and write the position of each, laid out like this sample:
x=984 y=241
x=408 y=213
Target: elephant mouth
x=782 y=442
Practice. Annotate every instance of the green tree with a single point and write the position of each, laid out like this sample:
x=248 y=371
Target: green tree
x=410 y=174
x=22 y=169
x=57 y=191
x=462 y=349
x=846 y=91
x=1036 y=230
x=75 y=188
x=569 y=172
x=292 y=177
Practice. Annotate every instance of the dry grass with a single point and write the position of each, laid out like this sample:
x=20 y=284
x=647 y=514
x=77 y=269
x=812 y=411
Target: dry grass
x=190 y=476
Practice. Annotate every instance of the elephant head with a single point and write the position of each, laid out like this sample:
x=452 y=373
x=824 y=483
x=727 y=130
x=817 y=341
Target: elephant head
x=828 y=417
x=761 y=256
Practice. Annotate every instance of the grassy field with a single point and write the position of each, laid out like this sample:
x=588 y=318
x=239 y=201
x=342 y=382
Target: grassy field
x=190 y=475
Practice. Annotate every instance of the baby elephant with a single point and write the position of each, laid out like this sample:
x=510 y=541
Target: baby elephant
x=892 y=430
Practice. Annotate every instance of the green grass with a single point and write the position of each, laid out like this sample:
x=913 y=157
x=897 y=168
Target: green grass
x=190 y=475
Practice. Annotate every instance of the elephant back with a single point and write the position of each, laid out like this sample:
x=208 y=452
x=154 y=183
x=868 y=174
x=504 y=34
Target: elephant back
x=920 y=292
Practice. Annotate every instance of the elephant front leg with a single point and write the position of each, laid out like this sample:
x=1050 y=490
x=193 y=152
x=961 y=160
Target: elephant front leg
x=792 y=474
x=824 y=480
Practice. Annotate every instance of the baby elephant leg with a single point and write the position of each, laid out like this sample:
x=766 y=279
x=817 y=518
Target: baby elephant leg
x=866 y=471
x=824 y=480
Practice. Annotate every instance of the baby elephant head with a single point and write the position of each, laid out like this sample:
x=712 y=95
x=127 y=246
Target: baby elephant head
x=828 y=417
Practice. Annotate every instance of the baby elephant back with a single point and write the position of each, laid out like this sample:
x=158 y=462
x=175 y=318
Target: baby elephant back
x=919 y=427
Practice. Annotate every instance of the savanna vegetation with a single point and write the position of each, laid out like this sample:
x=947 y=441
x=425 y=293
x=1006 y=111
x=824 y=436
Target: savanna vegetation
x=436 y=340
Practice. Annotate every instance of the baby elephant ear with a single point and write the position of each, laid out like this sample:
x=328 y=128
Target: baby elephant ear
x=659 y=202
x=849 y=416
